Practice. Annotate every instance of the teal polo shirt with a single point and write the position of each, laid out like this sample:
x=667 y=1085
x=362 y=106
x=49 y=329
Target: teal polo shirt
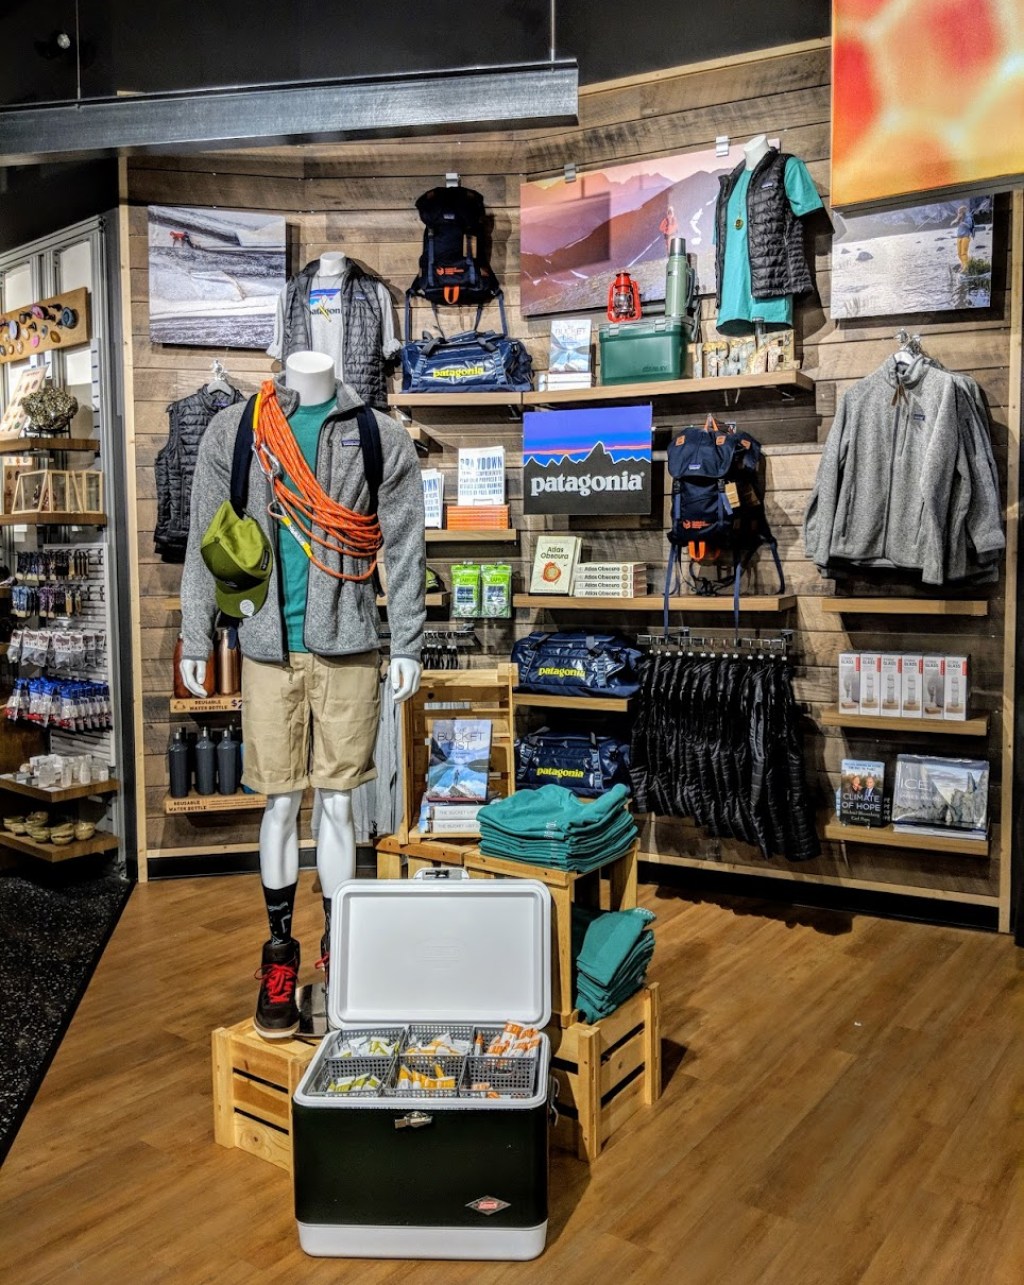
x=305 y=423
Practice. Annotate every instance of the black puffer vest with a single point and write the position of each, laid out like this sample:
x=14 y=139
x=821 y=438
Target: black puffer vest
x=176 y=465
x=775 y=236
x=363 y=329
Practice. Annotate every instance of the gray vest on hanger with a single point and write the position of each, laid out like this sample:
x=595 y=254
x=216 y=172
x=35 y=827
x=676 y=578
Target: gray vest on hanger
x=363 y=323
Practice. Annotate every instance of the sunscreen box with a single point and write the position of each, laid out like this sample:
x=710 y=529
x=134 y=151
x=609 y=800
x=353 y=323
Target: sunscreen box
x=870 y=682
x=956 y=687
x=892 y=685
x=849 y=682
x=933 y=695
x=913 y=685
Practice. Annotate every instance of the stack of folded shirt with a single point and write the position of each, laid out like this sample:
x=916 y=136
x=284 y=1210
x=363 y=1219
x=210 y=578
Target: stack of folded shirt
x=612 y=949
x=552 y=827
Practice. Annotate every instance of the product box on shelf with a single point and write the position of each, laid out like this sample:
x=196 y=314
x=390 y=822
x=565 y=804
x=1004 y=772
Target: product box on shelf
x=912 y=684
x=933 y=693
x=892 y=693
x=610 y=580
x=956 y=688
x=430 y=1154
x=870 y=682
x=849 y=682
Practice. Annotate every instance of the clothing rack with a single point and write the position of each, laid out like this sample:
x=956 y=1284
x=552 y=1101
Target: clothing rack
x=686 y=641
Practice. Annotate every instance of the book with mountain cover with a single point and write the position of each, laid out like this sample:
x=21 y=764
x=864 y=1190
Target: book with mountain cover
x=460 y=755
x=939 y=795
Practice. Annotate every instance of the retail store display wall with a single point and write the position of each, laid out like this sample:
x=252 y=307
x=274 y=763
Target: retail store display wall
x=359 y=198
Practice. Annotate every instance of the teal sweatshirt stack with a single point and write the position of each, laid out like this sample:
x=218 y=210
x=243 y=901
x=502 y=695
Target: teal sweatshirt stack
x=612 y=951
x=552 y=827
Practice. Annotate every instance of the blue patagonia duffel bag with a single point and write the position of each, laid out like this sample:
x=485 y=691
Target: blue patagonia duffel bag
x=575 y=663
x=587 y=765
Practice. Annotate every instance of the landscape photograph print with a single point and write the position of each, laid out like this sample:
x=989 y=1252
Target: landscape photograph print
x=920 y=258
x=576 y=236
x=214 y=276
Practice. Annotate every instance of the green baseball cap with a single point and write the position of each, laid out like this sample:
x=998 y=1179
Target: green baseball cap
x=238 y=555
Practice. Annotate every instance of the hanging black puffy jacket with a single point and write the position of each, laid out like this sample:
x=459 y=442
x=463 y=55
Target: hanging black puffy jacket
x=176 y=465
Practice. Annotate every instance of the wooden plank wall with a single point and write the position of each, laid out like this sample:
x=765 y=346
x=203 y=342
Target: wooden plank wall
x=360 y=198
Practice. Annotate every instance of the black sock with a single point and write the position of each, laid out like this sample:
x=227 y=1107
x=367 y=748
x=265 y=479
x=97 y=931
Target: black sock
x=327 y=921
x=280 y=904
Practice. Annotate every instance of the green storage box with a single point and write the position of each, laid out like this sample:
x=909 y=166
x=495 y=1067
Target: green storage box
x=640 y=352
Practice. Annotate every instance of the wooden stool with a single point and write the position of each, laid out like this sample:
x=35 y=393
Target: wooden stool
x=395 y=859
x=606 y=1072
x=253 y=1083
x=566 y=887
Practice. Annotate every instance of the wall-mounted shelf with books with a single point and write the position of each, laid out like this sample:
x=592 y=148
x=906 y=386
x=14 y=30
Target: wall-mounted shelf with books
x=653 y=602
x=938 y=726
x=783 y=381
x=887 y=837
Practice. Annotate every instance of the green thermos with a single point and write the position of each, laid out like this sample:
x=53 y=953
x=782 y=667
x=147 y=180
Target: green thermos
x=679 y=280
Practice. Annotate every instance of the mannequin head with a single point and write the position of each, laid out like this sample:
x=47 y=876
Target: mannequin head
x=311 y=375
x=755 y=150
x=332 y=263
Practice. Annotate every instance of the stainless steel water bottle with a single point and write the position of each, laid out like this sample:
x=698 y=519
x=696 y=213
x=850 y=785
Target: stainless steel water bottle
x=178 y=766
x=206 y=764
x=679 y=280
x=228 y=763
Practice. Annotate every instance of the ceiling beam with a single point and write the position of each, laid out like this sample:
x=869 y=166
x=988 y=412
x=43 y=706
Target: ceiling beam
x=374 y=107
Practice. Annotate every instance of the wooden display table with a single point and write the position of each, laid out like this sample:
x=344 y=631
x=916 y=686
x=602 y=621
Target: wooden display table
x=566 y=887
x=606 y=1072
x=253 y=1083
x=396 y=860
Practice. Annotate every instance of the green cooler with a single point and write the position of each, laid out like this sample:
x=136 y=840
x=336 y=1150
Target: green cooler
x=640 y=352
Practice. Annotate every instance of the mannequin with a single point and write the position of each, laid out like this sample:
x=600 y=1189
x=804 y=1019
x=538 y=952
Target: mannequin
x=333 y=263
x=311 y=376
x=756 y=150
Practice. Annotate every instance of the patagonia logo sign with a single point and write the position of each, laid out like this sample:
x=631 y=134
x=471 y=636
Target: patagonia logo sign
x=561 y=671
x=575 y=772
x=587 y=483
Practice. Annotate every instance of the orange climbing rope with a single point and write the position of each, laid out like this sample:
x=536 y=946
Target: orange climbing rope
x=345 y=532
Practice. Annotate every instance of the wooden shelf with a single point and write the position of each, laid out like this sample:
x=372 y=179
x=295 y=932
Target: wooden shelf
x=58 y=795
x=939 y=726
x=652 y=602
x=171 y=604
x=431 y=600
x=783 y=380
x=472 y=535
x=209 y=705
x=455 y=400
x=904 y=606
x=194 y=803
x=595 y=704
x=38 y=445
x=100 y=842
x=887 y=837
x=63 y=518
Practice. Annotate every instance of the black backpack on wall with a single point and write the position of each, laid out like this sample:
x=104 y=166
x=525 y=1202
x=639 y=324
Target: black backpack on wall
x=453 y=267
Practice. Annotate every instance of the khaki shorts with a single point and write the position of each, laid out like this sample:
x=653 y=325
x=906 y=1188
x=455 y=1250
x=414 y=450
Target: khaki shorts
x=334 y=700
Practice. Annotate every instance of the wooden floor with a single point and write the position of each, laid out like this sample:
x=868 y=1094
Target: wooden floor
x=844 y=1102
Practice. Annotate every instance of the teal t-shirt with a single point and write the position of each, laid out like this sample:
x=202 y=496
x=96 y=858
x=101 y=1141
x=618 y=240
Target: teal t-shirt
x=305 y=424
x=739 y=307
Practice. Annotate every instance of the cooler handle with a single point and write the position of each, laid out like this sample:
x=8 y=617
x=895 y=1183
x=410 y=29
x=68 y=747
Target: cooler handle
x=441 y=872
x=414 y=1120
x=553 y=1089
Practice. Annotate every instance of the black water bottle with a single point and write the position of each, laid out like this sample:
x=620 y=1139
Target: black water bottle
x=206 y=764
x=178 y=765
x=228 y=764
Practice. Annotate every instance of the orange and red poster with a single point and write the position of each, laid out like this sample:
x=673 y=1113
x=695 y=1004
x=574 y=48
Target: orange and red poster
x=926 y=94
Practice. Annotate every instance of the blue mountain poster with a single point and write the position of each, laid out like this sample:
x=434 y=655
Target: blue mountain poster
x=587 y=461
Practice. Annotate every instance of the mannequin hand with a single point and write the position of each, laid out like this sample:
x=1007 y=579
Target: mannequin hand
x=405 y=678
x=193 y=675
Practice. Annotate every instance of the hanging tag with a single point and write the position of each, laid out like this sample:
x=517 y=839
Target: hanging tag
x=732 y=494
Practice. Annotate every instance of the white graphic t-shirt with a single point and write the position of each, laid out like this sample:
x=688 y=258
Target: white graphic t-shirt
x=326 y=324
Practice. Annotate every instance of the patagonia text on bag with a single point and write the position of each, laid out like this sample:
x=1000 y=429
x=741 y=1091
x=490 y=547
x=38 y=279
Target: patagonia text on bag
x=577 y=664
x=587 y=765
x=718 y=513
x=471 y=362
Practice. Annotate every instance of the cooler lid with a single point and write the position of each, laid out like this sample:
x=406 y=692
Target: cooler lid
x=475 y=950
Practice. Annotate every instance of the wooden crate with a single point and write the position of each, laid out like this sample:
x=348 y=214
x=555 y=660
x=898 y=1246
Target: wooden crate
x=612 y=887
x=486 y=693
x=397 y=860
x=253 y=1083
x=606 y=1072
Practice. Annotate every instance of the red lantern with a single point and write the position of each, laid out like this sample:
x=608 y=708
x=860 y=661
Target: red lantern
x=624 y=299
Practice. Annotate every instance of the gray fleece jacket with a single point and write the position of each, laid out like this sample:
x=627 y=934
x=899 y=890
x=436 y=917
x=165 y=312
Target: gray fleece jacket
x=341 y=615
x=906 y=478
